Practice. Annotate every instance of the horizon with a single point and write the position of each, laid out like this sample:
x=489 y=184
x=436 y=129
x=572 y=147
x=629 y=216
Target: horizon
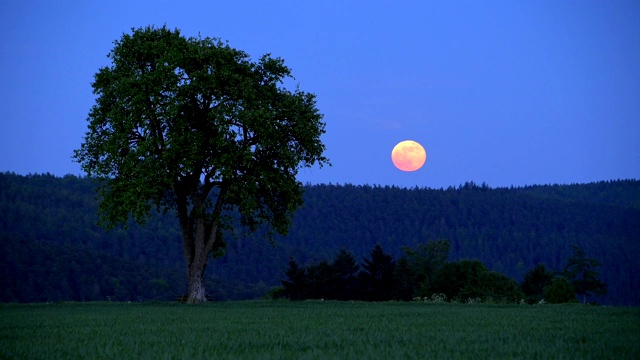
x=309 y=184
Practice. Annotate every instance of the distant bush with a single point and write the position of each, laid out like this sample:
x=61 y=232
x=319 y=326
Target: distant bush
x=559 y=291
x=535 y=280
x=471 y=280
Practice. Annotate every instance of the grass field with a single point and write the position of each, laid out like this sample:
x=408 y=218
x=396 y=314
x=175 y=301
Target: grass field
x=317 y=330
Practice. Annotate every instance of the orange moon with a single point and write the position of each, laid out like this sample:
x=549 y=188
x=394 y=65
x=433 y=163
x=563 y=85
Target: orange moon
x=408 y=155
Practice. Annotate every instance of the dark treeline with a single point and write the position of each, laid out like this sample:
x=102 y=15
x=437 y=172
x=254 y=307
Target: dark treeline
x=425 y=274
x=51 y=247
x=420 y=273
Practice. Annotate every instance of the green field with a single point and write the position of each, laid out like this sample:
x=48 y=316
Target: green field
x=317 y=330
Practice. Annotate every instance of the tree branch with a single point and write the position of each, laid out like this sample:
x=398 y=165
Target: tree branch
x=214 y=222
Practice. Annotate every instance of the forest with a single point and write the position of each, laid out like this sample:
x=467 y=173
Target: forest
x=52 y=248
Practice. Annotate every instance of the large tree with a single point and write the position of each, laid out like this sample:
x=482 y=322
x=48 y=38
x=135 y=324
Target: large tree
x=194 y=125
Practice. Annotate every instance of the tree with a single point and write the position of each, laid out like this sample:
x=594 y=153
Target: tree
x=376 y=276
x=581 y=271
x=345 y=270
x=295 y=283
x=425 y=261
x=493 y=286
x=454 y=277
x=470 y=279
x=320 y=282
x=559 y=291
x=535 y=280
x=195 y=126
x=404 y=280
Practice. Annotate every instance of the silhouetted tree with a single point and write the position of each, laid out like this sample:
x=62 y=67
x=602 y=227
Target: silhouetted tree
x=345 y=269
x=376 y=277
x=404 y=280
x=581 y=272
x=295 y=283
x=193 y=125
x=424 y=262
x=321 y=281
x=535 y=280
x=453 y=277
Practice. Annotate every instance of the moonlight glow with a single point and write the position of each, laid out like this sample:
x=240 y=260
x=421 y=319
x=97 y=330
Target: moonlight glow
x=408 y=155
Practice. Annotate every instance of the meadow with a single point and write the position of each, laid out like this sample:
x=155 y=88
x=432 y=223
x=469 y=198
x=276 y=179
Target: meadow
x=316 y=330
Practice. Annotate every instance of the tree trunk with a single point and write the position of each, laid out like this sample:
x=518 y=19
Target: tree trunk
x=196 y=260
x=197 y=293
x=197 y=249
x=199 y=235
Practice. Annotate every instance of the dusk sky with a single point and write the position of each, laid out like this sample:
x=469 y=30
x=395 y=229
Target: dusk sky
x=503 y=92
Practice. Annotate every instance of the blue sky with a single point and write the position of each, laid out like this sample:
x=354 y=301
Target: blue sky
x=502 y=92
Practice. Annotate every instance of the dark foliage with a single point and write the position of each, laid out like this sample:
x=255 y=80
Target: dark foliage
x=345 y=272
x=470 y=280
x=535 y=280
x=376 y=278
x=47 y=223
x=424 y=262
x=559 y=291
x=294 y=285
x=337 y=280
x=382 y=279
x=581 y=272
x=404 y=281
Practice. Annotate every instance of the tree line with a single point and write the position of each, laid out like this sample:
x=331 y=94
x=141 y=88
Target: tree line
x=425 y=273
x=51 y=247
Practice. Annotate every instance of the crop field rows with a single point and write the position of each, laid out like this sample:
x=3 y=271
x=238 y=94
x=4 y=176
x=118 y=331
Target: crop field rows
x=316 y=330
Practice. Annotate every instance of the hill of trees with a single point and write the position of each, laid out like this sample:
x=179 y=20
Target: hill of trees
x=51 y=248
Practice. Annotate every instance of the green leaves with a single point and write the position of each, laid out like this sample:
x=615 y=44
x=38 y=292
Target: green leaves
x=194 y=125
x=176 y=117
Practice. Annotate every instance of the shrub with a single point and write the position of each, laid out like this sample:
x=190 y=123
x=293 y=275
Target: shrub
x=559 y=291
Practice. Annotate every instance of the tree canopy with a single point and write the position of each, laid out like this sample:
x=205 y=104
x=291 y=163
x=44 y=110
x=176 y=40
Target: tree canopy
x=581 y=272
x=195 y=125
x=535 y=281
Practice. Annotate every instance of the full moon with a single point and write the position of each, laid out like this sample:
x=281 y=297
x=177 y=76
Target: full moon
x=408 y=155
